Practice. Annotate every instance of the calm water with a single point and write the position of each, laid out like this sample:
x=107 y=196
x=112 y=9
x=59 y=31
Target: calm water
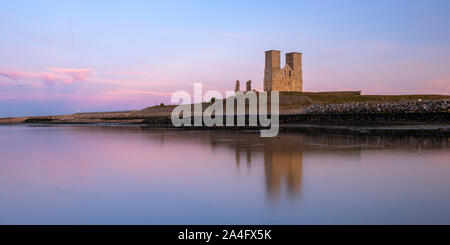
x=130 y=175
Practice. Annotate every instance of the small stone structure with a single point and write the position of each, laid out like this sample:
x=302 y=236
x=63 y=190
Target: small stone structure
x=286 y=79
x=237 y=87
x=249 y=86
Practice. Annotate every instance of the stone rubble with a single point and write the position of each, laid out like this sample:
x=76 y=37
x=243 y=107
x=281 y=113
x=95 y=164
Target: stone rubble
x=380 y=107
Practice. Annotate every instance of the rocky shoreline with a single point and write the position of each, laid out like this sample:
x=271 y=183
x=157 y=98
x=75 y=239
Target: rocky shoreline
x=432 y=106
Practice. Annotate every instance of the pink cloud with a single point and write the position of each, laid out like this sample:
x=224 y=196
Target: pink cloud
x=75 y=74
x=137 y=92
x=14 y=75
x=54 y=75
x=48 y=77
x=129 y=73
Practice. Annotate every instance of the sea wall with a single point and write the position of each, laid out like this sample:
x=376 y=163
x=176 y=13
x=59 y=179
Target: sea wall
x=342 y=119
x=381 y=107
x=362 y=113
x=368 y=118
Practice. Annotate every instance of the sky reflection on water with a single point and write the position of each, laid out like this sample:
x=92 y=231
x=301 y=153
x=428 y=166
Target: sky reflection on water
x=131 y=175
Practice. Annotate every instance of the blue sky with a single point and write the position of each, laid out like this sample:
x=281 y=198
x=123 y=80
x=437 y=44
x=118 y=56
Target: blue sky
x=64 y=56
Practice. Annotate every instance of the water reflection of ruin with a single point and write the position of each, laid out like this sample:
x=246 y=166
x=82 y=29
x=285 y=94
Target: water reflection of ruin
x=283 y=166
x=283 y=162
x=282 y=156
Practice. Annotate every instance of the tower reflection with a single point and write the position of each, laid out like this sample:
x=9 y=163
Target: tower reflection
x=283 y=167
x=282 y=162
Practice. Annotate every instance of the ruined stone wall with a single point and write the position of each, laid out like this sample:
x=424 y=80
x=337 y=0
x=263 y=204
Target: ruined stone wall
x=272 y=70
x=294 y=62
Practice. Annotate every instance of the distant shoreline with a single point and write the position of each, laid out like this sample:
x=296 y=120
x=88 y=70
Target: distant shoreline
x=303 y=112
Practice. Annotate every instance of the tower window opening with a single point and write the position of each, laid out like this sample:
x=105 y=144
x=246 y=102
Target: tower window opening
x=289 y=73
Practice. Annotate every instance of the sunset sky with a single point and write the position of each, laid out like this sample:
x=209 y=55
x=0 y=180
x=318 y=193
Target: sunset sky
x=66 y=56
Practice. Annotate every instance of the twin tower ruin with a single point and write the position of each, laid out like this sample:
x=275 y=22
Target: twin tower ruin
x=289 y=78
x=286 y=79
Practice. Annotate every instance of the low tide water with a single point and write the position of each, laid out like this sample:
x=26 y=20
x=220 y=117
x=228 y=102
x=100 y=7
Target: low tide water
x=134 y=175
